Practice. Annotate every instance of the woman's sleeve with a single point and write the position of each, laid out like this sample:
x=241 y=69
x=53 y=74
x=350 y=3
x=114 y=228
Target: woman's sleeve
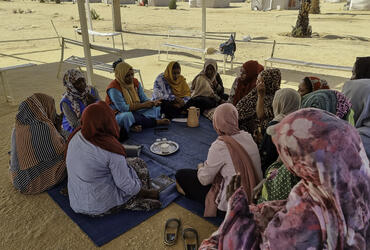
x=71 y=116
x=213 y=164
x=160 y=90
x=118 y=100
x=232 y=91
x=298 y=227
x=141 y=93
x=220 y=84
x=96 y=94
x=247 y=105
x=123 y=175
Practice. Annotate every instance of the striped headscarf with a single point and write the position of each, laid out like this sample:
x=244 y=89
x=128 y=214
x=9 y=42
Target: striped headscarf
x=37 y=159
x=72 y=94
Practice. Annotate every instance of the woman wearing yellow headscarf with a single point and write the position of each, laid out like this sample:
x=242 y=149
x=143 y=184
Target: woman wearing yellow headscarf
x=126 y=97
x=171 y=88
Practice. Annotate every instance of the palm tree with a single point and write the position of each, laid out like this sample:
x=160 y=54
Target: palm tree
x=302 y=27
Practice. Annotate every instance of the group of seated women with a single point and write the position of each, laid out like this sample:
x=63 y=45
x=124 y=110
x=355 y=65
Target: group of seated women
x=288 y=168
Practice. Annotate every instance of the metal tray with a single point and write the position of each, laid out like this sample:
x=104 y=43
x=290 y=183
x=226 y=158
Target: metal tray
x=156 y=147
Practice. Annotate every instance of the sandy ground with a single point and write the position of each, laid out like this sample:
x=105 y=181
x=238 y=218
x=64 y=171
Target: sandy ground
x=36 y=222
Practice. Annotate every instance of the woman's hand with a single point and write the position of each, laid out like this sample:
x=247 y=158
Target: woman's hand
x=148 y=104
x=58 y=122
x=234 y=184
x=179 y=102
x=90 y=99
x=261 y=89
x=200 y=165
x=157 y=103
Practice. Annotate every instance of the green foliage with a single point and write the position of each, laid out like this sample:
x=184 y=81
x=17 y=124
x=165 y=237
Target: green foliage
x=172 y=5
x=94 y=15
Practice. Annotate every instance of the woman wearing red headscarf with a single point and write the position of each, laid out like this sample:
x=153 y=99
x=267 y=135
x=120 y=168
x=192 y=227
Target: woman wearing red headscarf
x=100 y=178
x=245 y=82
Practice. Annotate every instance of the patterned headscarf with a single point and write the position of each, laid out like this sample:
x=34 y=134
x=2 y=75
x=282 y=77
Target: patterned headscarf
x=128 y=89
x=252 y=69
x=327 y=153
x=38 y=158
x=179 y=87
x=328 y=209
x=318 y=83
x=330 y=100
x=72 y=94
x=246 y=107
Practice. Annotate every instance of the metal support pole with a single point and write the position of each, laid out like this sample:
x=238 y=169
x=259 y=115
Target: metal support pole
x=204 y=27
x=116 y=14
x=85 y=39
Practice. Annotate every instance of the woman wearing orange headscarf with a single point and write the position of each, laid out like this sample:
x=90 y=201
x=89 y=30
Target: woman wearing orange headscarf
x=171 y=88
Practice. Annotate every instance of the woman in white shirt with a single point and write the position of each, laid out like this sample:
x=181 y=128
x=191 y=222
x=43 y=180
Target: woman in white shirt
x=100 y=178
x=233 y=152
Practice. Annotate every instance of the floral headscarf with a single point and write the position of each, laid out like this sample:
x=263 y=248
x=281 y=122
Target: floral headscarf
x=328 y=209
x=72 y=94
x=328 y=155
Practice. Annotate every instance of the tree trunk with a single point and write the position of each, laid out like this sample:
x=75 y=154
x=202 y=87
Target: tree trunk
x=302 y=27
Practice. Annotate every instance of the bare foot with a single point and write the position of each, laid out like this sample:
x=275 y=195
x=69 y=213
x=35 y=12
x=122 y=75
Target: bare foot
x=164 y=121
x=136 y=128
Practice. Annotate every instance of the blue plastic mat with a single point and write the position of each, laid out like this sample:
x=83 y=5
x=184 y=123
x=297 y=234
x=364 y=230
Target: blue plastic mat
x=193 y=148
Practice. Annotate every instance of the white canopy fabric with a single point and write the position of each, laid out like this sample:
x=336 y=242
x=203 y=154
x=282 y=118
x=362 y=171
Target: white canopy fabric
x=359 y=5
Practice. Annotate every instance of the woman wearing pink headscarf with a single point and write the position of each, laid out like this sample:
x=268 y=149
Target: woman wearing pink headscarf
x=233 y=152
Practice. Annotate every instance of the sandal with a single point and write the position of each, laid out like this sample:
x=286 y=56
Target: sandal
x=190 y=237
x=171 y=230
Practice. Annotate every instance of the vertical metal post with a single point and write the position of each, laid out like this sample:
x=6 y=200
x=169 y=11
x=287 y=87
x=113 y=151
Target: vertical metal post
x=204 y=27
x=116 y=15
x=85 y=39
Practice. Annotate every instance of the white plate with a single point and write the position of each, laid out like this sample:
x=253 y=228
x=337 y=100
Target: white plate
x=156 y=147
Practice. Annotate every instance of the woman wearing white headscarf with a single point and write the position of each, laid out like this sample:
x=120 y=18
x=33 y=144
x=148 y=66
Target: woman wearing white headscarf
x=285 y=102
x=207 y=90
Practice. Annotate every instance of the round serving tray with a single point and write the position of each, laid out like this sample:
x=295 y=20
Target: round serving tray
x=156 y=147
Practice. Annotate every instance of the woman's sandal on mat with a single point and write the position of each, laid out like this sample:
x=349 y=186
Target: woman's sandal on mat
x=171 y=230
x=190 y=236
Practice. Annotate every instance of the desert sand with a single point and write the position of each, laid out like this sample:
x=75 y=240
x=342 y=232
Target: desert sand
x=36 y=222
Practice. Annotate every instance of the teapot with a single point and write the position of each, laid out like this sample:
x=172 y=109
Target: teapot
x=193 y=117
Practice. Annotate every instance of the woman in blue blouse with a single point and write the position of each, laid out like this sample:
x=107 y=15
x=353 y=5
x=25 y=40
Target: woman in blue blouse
x=126 y=97
x=171 y=88
x=76 y=98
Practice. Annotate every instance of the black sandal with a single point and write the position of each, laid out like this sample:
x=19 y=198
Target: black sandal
x=171 y=230
x=190 y=237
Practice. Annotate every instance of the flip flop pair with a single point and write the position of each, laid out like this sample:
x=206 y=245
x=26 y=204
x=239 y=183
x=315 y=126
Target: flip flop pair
x=189 y=235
